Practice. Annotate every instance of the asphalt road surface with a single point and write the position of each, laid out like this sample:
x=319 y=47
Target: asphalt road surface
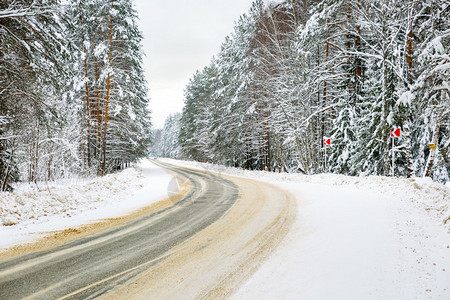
x=203 y=246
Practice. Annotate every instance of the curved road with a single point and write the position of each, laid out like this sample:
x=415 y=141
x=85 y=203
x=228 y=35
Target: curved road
x=209 y=236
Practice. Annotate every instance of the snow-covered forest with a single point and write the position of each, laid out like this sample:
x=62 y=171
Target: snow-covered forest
x=73 y=98
x=165 y=141
x=295 y=72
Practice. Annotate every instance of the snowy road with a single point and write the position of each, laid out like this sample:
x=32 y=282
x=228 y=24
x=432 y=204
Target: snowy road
x=212 y=236
x=90 y=266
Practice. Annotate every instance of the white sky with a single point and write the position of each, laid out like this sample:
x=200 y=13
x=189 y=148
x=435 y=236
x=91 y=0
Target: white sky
x=181 y=37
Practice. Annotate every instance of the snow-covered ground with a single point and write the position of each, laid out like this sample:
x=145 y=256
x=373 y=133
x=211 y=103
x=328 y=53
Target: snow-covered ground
x=356 y=238
x=30 y=210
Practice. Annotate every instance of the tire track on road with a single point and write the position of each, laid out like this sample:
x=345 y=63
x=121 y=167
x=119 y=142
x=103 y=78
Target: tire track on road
x=216 y=261
x=58 y=272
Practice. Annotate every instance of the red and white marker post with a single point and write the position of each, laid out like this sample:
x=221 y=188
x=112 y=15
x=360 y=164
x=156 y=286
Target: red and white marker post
x=395 y=133
x=326 y=142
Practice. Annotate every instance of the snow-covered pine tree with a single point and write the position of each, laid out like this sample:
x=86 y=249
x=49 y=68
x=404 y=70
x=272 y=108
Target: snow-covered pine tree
x=127 y=135
x=32 y=55
x=233 y=128
x=191 y=124
x=168 y=145
x=430 y=90
x=113 y=106
x=383 y=21
x=294 y=72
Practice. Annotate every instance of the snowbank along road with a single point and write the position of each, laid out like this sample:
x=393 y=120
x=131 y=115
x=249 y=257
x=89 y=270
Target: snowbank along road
x=203 y=246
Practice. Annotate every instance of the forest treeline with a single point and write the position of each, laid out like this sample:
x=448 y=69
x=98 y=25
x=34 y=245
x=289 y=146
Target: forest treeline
x=73 y=98
x=295 y=72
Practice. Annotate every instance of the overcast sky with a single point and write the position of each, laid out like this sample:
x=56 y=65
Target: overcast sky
x=181 y=37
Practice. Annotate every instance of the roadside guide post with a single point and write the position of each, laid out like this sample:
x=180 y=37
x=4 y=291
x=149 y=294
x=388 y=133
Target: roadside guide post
x=395 y=133
x=326 y=142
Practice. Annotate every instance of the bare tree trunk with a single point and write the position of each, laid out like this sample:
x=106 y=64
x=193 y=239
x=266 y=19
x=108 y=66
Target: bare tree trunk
x=49 y=168
x=324 y=98
x=385 y=127
x=36 y=158
x=432 y=156
x=108 y=91
x=97 y=108
x=409 y=44
x=437 y=129
x=409 y=170
x=267 y=131
x=7 y=172
x=88 y=105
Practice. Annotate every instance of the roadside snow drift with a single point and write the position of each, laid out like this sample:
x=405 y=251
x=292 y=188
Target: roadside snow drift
x=355 y=238
x=64 y=204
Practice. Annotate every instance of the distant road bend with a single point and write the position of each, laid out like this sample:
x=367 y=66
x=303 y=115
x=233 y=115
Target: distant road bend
x=203 y=246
